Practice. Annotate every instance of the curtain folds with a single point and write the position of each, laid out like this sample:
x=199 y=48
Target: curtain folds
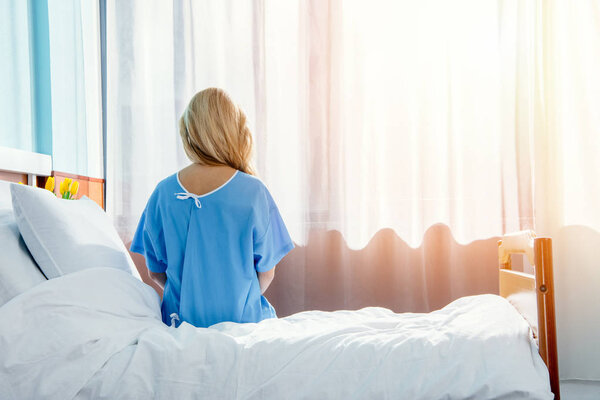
x=75 y=85
x=400 y=139
x=407 y=118
x=15 y=77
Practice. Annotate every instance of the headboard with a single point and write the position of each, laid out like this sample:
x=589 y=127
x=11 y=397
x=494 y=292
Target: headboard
x=23 y=166
x=516 y=285
x=34 y=169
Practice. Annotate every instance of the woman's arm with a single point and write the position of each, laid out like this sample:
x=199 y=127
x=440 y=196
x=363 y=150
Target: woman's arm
x=159 y=277
x=265 y=279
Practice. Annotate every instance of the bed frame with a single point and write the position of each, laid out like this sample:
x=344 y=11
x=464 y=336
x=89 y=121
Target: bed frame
x=539 y=288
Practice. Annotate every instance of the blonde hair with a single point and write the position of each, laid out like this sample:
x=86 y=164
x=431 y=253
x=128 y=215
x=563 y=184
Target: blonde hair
x=214 y=131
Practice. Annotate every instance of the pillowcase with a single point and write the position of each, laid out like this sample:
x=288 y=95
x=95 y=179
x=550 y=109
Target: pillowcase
x=18 y=270
x=66 y=236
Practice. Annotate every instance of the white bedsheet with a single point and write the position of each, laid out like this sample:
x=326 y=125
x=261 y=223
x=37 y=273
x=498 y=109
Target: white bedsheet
x=98 y=334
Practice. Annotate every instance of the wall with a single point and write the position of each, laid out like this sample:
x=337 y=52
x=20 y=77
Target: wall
x=577 y=278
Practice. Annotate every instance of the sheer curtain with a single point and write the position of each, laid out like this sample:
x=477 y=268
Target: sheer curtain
x=399 y=116
x=15 y=80
x=399 y=138
x=74 y=59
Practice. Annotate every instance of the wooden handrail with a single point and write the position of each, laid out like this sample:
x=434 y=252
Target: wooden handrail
x=544 y=278
x=539 y=253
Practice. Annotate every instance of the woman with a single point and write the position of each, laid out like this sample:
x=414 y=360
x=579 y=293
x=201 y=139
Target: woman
x=211 y=234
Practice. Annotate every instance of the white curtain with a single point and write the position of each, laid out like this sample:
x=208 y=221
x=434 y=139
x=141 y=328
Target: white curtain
x=479 y=115
x=76 y=90
x=15 y=77
x=401 y=115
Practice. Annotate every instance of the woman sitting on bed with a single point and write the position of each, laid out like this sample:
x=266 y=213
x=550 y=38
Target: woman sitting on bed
x=211 y=234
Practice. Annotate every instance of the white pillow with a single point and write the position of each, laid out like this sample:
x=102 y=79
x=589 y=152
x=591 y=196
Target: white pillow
x=66 y=236
x=18 y=271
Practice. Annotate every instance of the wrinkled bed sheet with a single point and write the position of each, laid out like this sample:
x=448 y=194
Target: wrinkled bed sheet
x=97 y=334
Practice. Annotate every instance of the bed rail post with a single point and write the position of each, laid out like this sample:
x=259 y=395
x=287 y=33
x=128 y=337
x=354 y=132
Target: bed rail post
x=544 y=278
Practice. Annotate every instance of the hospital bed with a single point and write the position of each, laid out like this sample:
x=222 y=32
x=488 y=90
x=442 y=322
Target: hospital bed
x=97 y=333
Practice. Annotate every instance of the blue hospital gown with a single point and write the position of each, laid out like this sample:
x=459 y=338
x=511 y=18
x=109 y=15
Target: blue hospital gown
x=211 y=247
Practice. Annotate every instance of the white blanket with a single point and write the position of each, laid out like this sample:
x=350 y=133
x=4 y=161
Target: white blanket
x=98 y=334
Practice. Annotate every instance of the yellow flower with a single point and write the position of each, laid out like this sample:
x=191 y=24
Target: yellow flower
x=65 y=186
x=50 y=183
x=21 y=183
x=74 y=188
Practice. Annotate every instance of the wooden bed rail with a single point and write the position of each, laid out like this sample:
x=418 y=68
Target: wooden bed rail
x=540 y=285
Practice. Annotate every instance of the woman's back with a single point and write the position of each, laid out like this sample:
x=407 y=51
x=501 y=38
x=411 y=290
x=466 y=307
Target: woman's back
x=211 y=229
x=203 y=179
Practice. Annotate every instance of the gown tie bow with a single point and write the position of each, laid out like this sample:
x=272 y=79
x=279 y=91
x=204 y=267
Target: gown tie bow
x=186 y=195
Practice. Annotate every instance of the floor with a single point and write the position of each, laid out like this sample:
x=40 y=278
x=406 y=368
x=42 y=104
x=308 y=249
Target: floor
x=580 y=390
